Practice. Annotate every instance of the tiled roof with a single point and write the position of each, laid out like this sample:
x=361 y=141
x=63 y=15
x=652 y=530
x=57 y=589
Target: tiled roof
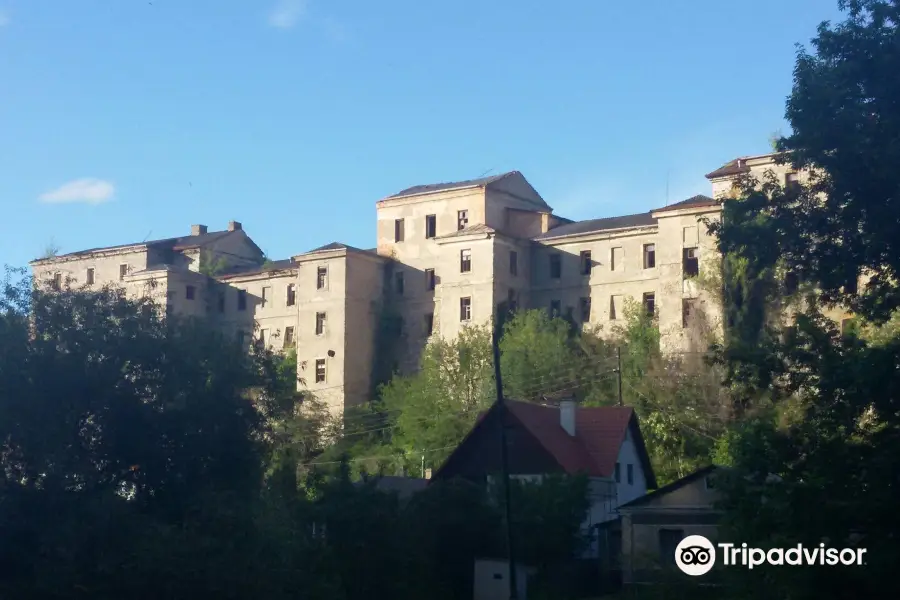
x=440 y=187
x=595 y=225
x=732 y=167
x=176 y=243
x=675 y=485
x=697 y=201
x=470 y=230
x=599 y=433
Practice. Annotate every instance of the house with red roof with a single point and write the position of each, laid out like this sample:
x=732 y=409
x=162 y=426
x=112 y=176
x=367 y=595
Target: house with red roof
x=604 y=443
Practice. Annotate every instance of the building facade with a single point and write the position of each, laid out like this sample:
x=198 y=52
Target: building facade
x=446 y=256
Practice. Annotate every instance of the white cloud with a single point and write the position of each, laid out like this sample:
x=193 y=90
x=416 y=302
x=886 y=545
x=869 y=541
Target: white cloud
x=87 y=190
x=4 y=18
x=287 y=13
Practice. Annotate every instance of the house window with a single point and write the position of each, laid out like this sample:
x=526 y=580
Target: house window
x=320 y=323
x=291 y=298
x=791 y=282
x=649 y=256
x=89 y=277
x=668 y=543
x=221 y=302
x=123 y=271
x=650 y=304
x=554 y=308
x=320 y=370
x=586 y=262
x=615 y=307
x=513 y=262
x=170 y=310
x=266 y=296
x=555 y=266
x=570 y=314
x=398 y=283
x=465 y=261
x=846 y=326
x=690 y=262
x=618 y=473
x=465 y=309
x=616 y=258
x=322 y=278
x=585 y=309
x=629 y=474
x=462 y=219
x=56 y=283
x=263 y=338
x=189 y=292
x=430 y=226
x=242 y=299
x=241 y=337
x=430 y=280
x=288 y=337
x=398 y=230
x=792 y=181
x=429 y=323
x=688 y=309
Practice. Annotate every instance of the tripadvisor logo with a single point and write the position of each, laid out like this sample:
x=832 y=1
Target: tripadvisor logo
x=695 y=555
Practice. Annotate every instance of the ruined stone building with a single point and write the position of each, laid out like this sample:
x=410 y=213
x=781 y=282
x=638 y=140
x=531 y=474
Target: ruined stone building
x=447 y=254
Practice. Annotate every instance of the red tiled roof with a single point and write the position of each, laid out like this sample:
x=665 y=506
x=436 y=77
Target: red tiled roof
x=599 y=433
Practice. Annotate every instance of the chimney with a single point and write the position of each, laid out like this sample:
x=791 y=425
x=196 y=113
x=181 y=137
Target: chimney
x=234 y=226
x=567 y=415
x=198 y=229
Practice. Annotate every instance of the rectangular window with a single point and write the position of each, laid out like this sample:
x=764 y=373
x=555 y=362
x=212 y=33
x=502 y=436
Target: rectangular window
x=170 y=310
x=398 y=283
x=649 y=303
x=649 y=256
x=555 y=308
x=56 y=283
x=89 y=278
x=616 y=259
x=429 y=323
x=792 y=181
x=513 y=262
x=430 y=280
x=430 y=226
x=291 y=297
x=555 y=266
x=629 y=474
x=465 y=309
x=241 y=337
x=320 y=370
x=618 y=473
x=585 y=309
x=690 y=262
x=615 y=308
x=263 y=339
x=266 y=296
x=221 y=302
x=322 y=278
x=668 y=543
x=242 y=299
x=399 y=231
x=123 y=271
x=189 y=292
x=586 y=262
x=320 y=323
x=465 y=261
x=687 y=311
x=288 y=337
x=462 y=219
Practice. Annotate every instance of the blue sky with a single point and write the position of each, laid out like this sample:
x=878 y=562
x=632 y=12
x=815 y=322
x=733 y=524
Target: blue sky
x=125 y=119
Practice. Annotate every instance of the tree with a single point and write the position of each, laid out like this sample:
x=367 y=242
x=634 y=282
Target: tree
x=844 y=118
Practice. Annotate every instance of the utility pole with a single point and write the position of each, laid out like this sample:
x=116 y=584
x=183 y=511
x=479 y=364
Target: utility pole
x=423 y=465
x=619 y=371
x=504 y=451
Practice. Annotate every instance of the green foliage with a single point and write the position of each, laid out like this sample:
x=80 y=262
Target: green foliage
x=211 y=265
